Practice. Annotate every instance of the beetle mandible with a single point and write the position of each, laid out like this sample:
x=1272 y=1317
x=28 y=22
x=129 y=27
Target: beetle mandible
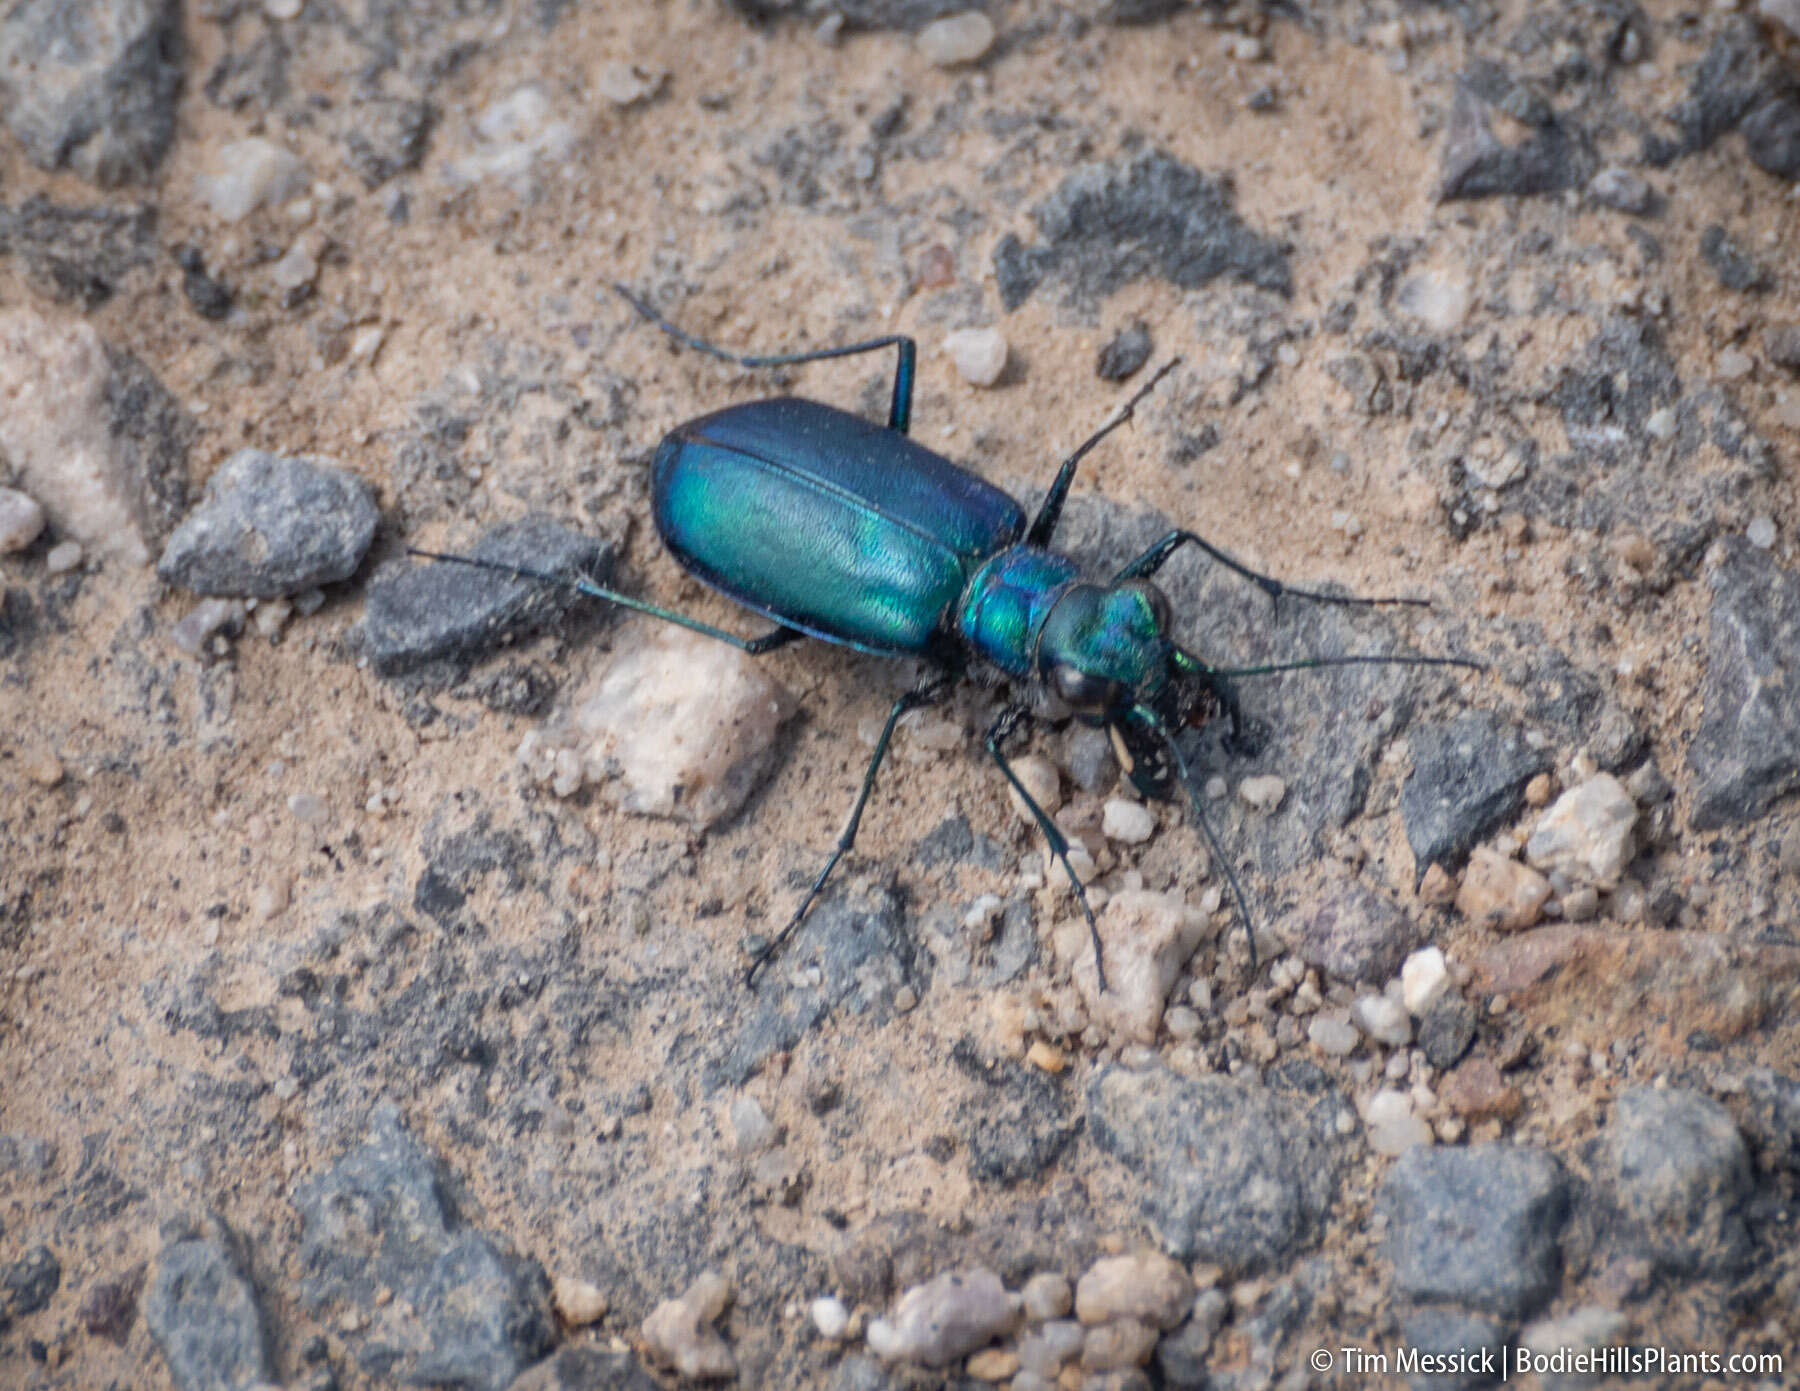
x=839 y=529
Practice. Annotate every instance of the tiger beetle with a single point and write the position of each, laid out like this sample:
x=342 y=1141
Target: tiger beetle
x=842 y=530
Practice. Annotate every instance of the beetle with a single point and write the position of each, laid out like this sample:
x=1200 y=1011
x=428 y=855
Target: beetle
x=839 y=529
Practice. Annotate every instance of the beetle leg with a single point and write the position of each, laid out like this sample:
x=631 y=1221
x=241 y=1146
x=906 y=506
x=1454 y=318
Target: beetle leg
x=1158 y=555
x=1005 y=725
x=928 y=694
x=1051 y=512
x=899 y=411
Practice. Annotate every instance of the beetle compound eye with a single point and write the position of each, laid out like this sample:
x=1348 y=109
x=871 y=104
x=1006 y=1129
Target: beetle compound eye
x=1081 y=691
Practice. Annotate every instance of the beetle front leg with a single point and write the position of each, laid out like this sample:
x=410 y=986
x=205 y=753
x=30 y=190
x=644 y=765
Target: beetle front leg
x=929 y=694
x=1007 y=723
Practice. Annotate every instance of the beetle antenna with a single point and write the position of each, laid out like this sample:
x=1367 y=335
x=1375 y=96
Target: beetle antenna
x=1313 y=663
x=1206 y=830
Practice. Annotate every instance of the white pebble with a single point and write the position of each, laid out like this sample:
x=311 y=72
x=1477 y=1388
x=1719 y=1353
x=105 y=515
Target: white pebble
x=63 y=557
x=1734 y=363
x=21 y=520
x=367 y=343
x=578 y=1302
x=519 y=113
x=248 y=174
x=1383 y=1019
x=1588 y=834
x=1424 y=980
x=1263 y=793
x=751 y=1128
x=957 y=38
x=979 y=354
x=308 y=808
x=1393 y=1128
x=626 y=84
x=1332 y=1034
x=295 y=269
x=1761 y=533
x=282 y=9
x=1660 y=424
x=568 y=773
x=1133 y=823
x=830 y=1317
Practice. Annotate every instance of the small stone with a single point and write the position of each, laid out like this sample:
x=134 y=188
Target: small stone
x=577 y=1302
x=751 y=1128
x=1131 y=823
x=1436 y=887
x=1147 y=937
x=1392 y=1126
x=830 y=1317
x=1046 y=1057
x=1579 y=905
x=1500 y=893
x=1437 y=299
x=1733 y=363
x=1047 y=1348
x=1047 y=1295
x=1146 y=1286
x=41 y=766
x=1129 y=350
x=1446 y=1031
x=959 y=38
x=627 y=84
x=1476 y=1091
x=308 y=808
x=297 y=268
x=194 y=629
x=1761 y=532
x=63 y=557
x=1538 y=790
x=936 y=1323
x=679 y=1332
x=1118 y=1345
x=1581 y=1331
x=269 y=900
x=1041 y=781
x=1660 y=424
x=1588 y=835
x=1781 y=344
x=1263 y=793
x=1622 y=191
x=979 y=354
x=1424 y=980
x=282 y=9
x=1383 y=1019
x=993 y=1364
x=21 y=520
x=1331 y=1032
x=248 y=174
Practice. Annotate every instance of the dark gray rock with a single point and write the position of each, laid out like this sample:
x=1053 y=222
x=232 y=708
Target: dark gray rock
x=28 y=1284
x=420 y=612
x=858 y=14
x=1184 y=1356
x=1468 y=776
x=388 y=137
x=1354 y=933
x=1678 y=1173
x=1605 y=396
x=152 y=432
x=1017 y=1124
x=1772 y=136
x=587 y=1369
x=1770 y=1116
x=1446 y=1032
x=1622 y=191
x=269 y=526
x=1747 y=750
x=864 y=954
x=210 y=297
x=29 y=1157
x=1735 y=267
x=90 y=85
x=1234 y=1173
x=1140 y=11
x=77 y=254
x=1781 y=341
x=1448 y=1334
x=1476 y=164
x=1108 y=225
x=203 y=1314
x=1479 y=1227
x=1128 y=350
x=1739 y=72
x=468 y=1313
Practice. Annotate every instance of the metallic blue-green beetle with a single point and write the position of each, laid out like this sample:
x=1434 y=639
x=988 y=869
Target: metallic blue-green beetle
x=839 y=529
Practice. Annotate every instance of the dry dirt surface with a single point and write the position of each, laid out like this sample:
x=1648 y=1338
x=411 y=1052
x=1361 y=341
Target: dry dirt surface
x=373 y=933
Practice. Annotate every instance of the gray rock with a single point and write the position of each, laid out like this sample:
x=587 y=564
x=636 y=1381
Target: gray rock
x=1128 y=350
x=1108 y=225
x=28 y=1284
x=78 y=254
x=1448 y=1333
x=1679 y=1174
x=90 y=85
x=1475 y=163
x=1747 y=750
x=1446 y=1031
x=1017 y=1124
x=1478 y=1227
x=1183 y=1356
x=270 y=526
x=419 y=612
x=388 y=137
x=204 y=1317
x=1468 y=776
x=1234 y=1173
x=1353 y=934
x=587 y=1369
x=467 y=1313
x=1771 y=1115
x=1140 y=11
x=1735 y=267
x=1772 y=136
x=1622 y=191
x=1739 y=72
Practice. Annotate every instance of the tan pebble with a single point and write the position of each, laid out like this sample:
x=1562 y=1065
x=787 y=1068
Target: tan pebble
x=1476 y=1091
x=1046 y=1056
x=577 y=1302
x=993 y=1364
x=1537 y=791
x=1437 y=887
x=1117 y=1345
x=1501 y=893
x=42 y=767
